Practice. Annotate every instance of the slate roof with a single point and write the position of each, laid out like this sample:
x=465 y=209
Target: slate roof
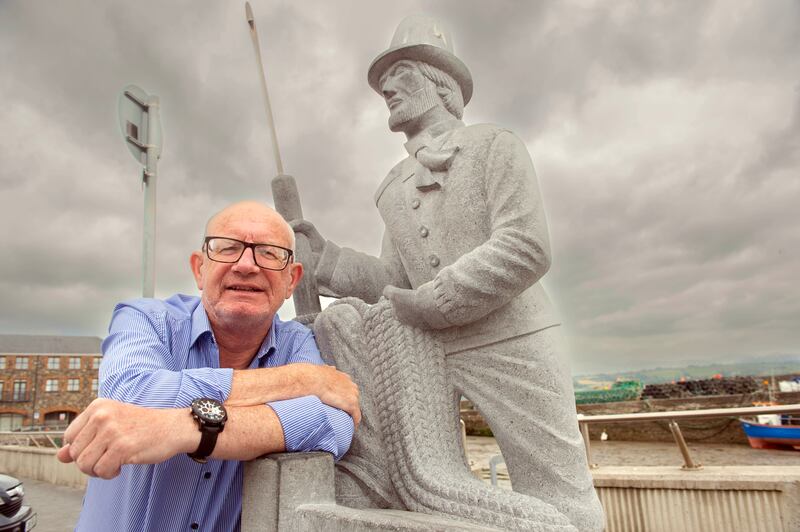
x=33 y=344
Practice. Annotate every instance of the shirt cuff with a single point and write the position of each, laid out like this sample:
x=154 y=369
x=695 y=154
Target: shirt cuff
x=306 y=426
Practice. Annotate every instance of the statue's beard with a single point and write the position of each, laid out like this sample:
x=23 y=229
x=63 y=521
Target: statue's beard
x=413 y=107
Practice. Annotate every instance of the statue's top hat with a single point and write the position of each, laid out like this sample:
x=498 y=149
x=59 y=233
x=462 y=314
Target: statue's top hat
x=422 y=38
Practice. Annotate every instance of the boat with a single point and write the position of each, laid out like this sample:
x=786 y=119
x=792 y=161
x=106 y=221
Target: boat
x=772 y=435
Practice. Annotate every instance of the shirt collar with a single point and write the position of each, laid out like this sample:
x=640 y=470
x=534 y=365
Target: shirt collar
x=426 y=137
x=270 y=343
x=201 y=325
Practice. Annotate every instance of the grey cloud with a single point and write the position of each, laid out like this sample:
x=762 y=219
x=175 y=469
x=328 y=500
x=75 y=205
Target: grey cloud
x=665 y=137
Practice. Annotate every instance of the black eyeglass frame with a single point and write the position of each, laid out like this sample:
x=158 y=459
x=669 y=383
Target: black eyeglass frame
x=248 y=245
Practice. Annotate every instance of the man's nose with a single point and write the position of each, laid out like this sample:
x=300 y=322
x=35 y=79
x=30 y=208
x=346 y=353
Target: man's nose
x=247 y=262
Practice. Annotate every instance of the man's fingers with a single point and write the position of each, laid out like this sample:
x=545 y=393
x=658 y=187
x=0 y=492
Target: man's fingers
x=80 y=440
x=77 y=425
x=108 y=465
x=63 y=454
x=89 y=456
x=347 y=393
x=356 y=415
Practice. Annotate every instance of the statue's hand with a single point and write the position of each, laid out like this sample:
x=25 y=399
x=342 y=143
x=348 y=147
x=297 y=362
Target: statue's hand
x=406 y=306
x=306 y=228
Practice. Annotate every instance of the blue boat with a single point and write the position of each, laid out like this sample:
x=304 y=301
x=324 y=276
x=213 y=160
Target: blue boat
x=771 y=436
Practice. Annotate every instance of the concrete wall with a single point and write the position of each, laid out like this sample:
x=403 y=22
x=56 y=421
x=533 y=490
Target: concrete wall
x=714 y=499
x=39 y=464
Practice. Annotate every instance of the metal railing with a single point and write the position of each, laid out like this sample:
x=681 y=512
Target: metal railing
x=671 y=416
x=42 y=438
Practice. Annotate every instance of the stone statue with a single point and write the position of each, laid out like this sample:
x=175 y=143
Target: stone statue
x=453 y=306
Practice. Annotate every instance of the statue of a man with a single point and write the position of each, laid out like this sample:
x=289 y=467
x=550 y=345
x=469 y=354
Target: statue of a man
x=465 y=246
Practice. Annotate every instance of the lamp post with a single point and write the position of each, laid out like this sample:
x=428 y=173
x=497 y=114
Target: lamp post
x=141 y=129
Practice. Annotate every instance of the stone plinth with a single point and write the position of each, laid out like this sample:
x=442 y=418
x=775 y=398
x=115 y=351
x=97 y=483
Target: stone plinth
x=296 y=492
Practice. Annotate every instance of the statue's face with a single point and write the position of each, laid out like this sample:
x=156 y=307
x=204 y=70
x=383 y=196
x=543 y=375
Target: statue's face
x=407 y=93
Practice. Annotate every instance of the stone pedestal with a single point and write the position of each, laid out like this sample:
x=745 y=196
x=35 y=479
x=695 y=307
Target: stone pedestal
x=296 y=492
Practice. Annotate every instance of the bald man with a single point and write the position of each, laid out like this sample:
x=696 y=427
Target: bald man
x=190 y=386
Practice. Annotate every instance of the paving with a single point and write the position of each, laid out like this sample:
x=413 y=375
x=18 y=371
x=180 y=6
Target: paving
x=57 y=507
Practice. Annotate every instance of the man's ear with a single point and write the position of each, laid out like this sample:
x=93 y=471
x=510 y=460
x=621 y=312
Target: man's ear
x=296 y=271
x=196 y=262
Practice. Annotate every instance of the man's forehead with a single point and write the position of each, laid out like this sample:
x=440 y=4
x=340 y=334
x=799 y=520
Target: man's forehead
x=256 y=220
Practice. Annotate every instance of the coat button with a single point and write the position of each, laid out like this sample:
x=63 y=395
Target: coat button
x=433 y=261
x=415 y=203
x=423 y=231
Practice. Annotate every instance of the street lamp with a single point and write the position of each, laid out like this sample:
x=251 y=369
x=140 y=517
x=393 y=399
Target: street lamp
x=141 y=129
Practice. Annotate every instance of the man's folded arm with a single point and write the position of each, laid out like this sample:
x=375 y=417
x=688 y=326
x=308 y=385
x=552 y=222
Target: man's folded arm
x=295 y=425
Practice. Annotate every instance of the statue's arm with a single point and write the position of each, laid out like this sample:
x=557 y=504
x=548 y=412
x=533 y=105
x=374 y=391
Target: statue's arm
x=343 y=272
x=515 y=256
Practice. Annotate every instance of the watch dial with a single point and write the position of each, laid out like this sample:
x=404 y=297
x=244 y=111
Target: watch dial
x=211 y=410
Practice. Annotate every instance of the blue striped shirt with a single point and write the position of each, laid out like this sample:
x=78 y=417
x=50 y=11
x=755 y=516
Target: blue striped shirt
x=162 y=354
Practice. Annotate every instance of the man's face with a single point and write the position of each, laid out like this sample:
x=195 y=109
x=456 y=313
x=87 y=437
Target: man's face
x=407 y=93
x=242 y=295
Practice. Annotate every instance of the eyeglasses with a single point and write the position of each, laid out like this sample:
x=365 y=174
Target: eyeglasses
x=230 y=250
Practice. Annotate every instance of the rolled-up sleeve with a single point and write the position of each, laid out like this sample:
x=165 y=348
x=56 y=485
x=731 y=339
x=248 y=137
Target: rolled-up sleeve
x=310 y=425
x=140 y=366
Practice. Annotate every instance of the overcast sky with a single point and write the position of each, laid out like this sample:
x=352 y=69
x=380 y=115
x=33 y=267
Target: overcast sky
x=666 y=138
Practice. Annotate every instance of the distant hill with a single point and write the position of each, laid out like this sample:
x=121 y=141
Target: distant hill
x=777 y=365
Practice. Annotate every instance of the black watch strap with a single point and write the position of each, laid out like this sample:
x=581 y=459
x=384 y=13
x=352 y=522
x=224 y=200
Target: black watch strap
x=208 y=440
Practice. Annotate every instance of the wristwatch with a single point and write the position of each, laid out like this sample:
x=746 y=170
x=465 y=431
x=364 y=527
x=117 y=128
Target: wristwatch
x=211 y=417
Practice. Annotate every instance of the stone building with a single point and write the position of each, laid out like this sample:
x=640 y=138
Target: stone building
x=46 y=380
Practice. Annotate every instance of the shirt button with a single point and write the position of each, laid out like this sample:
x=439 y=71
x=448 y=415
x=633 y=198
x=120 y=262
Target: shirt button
x=195 y=526
x=415 y=203
x=207 y=475
x=423 y=231
x=433 y=261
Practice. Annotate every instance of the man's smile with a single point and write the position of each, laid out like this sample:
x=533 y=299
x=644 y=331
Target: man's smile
x=239 y=287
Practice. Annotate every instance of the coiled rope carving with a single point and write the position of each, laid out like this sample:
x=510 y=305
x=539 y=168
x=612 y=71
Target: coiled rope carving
x=426 y=462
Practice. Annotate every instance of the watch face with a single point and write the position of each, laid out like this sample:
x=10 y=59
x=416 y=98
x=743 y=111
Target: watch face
x=209 y=410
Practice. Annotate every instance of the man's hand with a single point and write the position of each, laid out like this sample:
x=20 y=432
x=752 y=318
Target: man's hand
x=336 y=389
x=110 y=434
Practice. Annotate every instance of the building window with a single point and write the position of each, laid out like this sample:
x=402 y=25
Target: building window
x=74 y=362
x=96 y=362
x=2 y=384
x=2 y=362
x=53 y=363
x=11 y=421
x=20 y=391
x=73 y=385
x=22 y=362
x=51 y=385
x=94 y=386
